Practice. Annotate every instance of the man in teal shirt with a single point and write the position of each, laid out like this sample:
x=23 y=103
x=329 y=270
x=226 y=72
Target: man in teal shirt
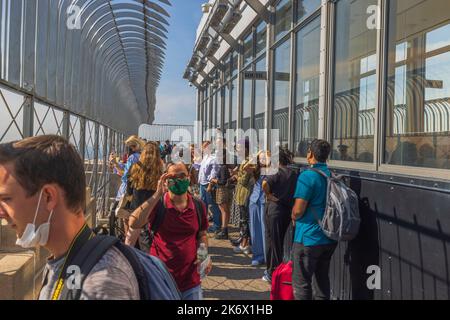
x=312 y=250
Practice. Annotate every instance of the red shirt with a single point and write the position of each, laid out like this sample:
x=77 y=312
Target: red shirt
x=176 y=242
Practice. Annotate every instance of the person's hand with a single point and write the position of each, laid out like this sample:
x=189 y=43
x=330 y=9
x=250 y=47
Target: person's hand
x=162 y=186
x=294 y=218
x=209 y=189
x=208 y=268
x=112 y=158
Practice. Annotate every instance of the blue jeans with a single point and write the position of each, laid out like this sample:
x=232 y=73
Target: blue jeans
x=209 y=201
x=257 y=231
x=193 y=294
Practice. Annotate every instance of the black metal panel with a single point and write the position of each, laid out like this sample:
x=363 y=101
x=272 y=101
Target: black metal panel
x=405 y=230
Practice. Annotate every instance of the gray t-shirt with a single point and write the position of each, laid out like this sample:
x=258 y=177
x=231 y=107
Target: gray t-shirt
x=112 y=278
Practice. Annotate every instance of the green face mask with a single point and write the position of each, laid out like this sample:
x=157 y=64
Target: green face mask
x=179 y=186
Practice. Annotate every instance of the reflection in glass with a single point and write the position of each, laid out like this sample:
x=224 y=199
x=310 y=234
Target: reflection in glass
x=248 y=49
x=246 y=102
x=234 y=104
x=214 y=111
x=219 y=109
x=307 y=87
x=281 y=90
x=261 y=38
x=283 y=18
x=227 y=68
x=354 y=83
x=226 y=106
x=306 y=7
x=260 y=96
x=234 y=64
x=418 y=88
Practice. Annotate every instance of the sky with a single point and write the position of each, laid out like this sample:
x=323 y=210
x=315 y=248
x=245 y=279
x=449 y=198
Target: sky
x=175 y=100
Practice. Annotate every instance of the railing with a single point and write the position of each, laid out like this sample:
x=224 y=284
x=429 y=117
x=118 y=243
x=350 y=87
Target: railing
x=22 y=115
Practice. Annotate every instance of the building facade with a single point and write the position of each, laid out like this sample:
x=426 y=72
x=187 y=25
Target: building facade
x=373 y=78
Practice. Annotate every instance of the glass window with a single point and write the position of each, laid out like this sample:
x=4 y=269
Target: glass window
x=305 y=8
x=260 y=95
x=247 y=102
x=261 y=38
x=234 y=104
x=208 y=113
x=226 y=106
x=219 y=108
x=248 y=49
x=281 y=90
x=234 y=64
x=418 y=99
x=354 y=83
x=227 y=70
x=283 y=18
x=307 y=87
x=214 y=110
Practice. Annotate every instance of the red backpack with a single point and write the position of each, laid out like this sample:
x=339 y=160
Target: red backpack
x=282 y=276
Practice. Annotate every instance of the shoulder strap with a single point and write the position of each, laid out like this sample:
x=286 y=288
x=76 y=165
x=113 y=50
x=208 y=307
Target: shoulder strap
x=199 y=210
x=160 y=215
x=89 y=255
x=319 y=172
x=141 y=276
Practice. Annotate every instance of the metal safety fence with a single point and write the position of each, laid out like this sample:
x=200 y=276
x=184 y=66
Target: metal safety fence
x=22 y=115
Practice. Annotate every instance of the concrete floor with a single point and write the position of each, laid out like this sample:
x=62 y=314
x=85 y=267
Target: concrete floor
x=232 y=276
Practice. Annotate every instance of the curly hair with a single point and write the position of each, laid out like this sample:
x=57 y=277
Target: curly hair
x=147 y=171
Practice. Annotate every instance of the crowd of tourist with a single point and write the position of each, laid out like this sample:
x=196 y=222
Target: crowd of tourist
x=168 y=207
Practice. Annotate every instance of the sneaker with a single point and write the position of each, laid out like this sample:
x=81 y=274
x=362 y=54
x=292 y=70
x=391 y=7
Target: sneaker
x=236 y=242
x=222 y=235
x=256 y=263
x=266 y=277
x=240 y=249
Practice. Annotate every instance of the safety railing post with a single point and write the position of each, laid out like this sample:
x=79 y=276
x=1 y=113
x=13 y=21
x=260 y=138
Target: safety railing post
x=105 y=171
x=28 y=116
x=95 y=168
x=82 y=141
x=66 y=125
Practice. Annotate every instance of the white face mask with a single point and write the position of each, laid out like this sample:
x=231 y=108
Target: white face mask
x=31 y=237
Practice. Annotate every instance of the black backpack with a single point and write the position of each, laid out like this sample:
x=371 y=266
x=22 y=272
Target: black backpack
x=154 y=279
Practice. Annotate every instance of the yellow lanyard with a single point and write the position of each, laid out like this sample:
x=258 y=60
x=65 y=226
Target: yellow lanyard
x=76 y=242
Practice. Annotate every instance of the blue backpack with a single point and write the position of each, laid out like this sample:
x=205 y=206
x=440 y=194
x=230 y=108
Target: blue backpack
x=154 y=279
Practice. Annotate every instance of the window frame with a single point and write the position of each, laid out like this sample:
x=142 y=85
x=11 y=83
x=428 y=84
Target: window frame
x=331 y=48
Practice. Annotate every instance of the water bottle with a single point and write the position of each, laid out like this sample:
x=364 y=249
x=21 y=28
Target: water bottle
x=202 y=255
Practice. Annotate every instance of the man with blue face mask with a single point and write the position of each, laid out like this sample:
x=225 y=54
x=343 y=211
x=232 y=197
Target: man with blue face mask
x=42 y=197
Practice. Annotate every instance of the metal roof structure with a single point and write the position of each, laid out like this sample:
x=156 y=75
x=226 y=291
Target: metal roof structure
x=97 y=58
